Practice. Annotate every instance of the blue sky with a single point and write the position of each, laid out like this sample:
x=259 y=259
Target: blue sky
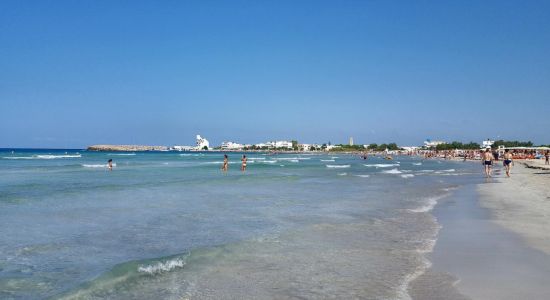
x=75 y=73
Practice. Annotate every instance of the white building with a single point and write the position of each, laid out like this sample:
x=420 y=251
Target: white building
x=279 y=144
x=232 y=146
x=430 y=144
x=410 y=149
x=182 y=148
x=487 y=144
x=330 y=147
x=201 y=143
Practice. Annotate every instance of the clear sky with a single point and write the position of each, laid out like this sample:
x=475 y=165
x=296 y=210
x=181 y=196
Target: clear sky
x=75 y=73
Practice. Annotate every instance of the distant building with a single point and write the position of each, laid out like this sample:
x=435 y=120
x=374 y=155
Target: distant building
x=330 y=147
x=487 y=144
x=431 y=144
x=202 y=142
x=182 y=148
x=410 y=148
x=351 y=141
x=279 y=144
x=232 y=146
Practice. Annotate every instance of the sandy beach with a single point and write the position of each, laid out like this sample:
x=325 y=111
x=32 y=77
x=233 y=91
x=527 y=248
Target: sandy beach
x=522 y=203
x=494 y=242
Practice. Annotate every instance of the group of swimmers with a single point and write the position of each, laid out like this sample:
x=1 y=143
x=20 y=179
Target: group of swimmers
x=225 y=164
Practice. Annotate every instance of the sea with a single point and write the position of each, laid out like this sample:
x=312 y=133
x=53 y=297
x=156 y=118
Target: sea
x=173 y=225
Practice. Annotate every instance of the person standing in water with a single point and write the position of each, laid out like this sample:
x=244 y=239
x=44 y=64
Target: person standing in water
x=243 y=166
x=225 y=163
x=110 y=164
x=508 y=161
x=547 y=157
x=488 y=161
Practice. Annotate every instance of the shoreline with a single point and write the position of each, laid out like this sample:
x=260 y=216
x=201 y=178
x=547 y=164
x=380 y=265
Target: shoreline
x=492 y=243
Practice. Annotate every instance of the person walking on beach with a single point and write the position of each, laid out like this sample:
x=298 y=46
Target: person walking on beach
x=243 y=166
x=547 y=157
x=110 y=164
x=488 y=161
x=508 y=161
x=225 y=163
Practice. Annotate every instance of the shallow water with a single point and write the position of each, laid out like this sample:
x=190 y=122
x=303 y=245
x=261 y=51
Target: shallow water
x=171 y=225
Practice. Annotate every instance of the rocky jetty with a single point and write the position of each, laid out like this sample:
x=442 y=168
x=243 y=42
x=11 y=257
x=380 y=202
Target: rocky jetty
x=126 y=148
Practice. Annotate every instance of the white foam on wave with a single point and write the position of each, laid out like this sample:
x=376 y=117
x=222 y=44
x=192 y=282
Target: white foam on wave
x=44 y=156
x=362 y=175
x=381 y=165
x=407 y=175
x=429 y=204
x=97 y=165
x=392 y=171
x=123 y=154
x=162 y=267
x=342 y=174
x=267 y=161
x=255 y=158
x=338 y=166
x=334 y=157
x=417 y=164
x=294 y=160
x=287 y=158
x=327 y=160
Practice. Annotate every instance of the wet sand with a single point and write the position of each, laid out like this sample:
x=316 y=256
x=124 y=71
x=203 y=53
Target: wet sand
x=492 y=244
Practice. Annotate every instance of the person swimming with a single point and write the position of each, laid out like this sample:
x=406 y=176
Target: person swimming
x=508 y=161
x=225 y=162
x=243 y=166
x=110 y=164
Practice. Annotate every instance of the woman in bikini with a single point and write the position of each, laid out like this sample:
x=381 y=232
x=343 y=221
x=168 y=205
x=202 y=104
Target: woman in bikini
x=243 y=166
x=225 y=163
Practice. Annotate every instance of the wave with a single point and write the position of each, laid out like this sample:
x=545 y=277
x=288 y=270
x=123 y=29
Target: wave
x=362 y=175
x=342 y=174
x=338 y=166
x=44 y=156
x=163 y=266
x=125 y=273
x=407 y=175
x=327 y=160
x=381 y=165
x=123 y=154
x=267 y=161
x=392 y=171
x=417 y=164
x=294 y=160
x=97 y=165
x=430 y=203
x=256 y=158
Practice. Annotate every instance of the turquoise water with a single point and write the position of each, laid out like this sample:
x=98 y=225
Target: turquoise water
x=171 y=225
